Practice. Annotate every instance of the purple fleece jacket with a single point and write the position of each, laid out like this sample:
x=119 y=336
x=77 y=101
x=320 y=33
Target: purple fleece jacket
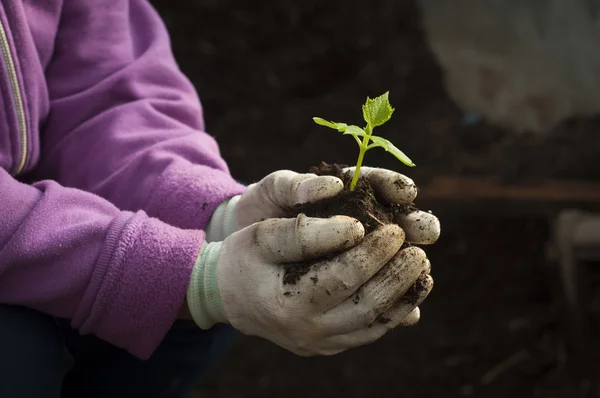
x=97 y=117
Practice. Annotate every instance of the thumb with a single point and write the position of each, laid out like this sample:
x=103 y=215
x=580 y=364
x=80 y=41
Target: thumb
x=288 y=189
x=393 y=187
x=305 y=238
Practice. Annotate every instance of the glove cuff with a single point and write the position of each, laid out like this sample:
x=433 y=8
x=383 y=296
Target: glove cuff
x=223 y=221
x=203 y=297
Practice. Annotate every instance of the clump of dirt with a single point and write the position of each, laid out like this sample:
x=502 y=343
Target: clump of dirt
x=361 y=203
x=412 y=295
x=294 y=271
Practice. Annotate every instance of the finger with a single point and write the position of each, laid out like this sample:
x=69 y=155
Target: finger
x=411 y=319
x=339 y=278
x=428 y=267
x=372 y=333
x=339 y=343
x=316 y=188
x=318 y=351
x=286 y=189
x=391 y=186
x=379 y=294
x=401 y=311
x=421 y=228
x=305 y=238
x=361 y=337
x=336 y=344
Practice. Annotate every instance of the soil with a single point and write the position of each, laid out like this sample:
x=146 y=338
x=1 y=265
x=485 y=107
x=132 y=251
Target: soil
x=493 y=324
x=361 y=203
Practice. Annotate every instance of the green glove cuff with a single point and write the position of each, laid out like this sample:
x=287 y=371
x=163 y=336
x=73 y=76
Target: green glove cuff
x=203 y=297
x=223 y=221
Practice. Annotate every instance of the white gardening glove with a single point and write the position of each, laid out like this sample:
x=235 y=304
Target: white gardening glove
x=421 y=227
x=351 y=294
x=273 y=196
x=278 y=193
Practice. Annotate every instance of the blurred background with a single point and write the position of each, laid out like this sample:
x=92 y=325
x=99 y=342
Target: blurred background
x=497 y=103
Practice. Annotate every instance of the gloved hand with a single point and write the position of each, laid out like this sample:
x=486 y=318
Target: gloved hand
x=278 y=193
x=352 y=290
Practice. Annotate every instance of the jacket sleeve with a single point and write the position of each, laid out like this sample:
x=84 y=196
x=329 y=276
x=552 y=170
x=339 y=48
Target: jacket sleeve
x=117 y=274
x=125 y=123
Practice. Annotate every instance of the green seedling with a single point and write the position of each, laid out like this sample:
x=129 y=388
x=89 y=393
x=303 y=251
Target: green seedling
x=376 y=112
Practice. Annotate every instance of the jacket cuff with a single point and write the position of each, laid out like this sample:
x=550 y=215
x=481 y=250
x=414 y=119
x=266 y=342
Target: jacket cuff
x=187 y=196
x=139 y=283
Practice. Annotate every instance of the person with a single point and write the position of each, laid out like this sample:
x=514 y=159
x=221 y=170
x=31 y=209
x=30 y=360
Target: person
x=129 y=255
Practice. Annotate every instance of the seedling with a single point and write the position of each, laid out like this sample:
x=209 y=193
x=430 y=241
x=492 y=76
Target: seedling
x=376 y=112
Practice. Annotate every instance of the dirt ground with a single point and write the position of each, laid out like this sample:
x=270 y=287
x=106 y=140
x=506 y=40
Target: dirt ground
x=492 y=326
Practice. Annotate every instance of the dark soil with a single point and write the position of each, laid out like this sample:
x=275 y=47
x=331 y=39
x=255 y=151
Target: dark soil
x=294 y=271
x=493 y=325
x=361 y=203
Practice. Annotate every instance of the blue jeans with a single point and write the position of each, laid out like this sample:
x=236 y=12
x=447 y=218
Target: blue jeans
x=41 y=356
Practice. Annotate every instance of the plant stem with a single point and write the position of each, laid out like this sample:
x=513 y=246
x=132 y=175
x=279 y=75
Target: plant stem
x=361 y=155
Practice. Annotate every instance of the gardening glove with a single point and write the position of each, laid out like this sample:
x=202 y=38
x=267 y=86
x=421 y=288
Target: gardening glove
x=273 y=196
x=313 y=286
x=278 y=193
x=420 y=227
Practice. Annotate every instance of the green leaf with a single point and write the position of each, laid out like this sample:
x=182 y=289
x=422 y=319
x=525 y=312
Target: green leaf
x=355 y=130
x=341 y=127
x=378 y=110
x=391 y=148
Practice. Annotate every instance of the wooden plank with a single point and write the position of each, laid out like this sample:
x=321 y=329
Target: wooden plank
x=451 y=187
x=493 y=195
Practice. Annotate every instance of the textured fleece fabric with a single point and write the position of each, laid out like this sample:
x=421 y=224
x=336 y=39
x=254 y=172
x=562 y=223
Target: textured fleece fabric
x=104 y=222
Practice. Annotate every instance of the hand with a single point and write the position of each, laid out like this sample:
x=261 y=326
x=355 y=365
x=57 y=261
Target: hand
x=351 y=292
x=420 y=227
x=272 y=197
x=279 y=192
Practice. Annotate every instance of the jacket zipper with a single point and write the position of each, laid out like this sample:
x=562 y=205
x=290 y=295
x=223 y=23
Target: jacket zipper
x=16 y=96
